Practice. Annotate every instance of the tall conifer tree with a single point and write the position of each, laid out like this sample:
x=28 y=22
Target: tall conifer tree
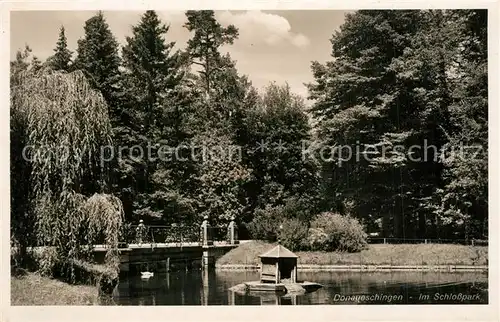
x=157 y=102
x=61 y=60
x=97 y=56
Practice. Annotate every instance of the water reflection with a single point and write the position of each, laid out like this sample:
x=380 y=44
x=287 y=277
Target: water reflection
x=211 y=288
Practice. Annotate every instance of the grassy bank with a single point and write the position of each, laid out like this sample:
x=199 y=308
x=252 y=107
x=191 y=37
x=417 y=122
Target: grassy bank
x=406 y=254
x=33 y=289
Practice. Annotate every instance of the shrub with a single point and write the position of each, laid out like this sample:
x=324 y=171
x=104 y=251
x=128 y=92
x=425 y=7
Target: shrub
x=46 y=260
x=103 y=276
x=317 y=239
x=293 y=235
x=299 y=208
x=265 y=224
x=335 y=232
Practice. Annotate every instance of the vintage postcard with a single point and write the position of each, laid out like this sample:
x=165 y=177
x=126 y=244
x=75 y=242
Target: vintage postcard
x=247 y=156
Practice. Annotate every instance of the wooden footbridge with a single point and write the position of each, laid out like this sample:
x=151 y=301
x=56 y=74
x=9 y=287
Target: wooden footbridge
x=165 y=248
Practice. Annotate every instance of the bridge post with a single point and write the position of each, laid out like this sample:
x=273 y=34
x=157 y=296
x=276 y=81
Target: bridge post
x=233 y=232
x=206 y=232
x=208 y=259
x=206 y=287
x=167 y=265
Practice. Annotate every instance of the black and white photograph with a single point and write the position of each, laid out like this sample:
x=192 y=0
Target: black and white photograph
x=200 y=157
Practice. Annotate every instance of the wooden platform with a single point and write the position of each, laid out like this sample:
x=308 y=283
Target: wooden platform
x=265 y=287
x=310 y=286
x=285 y=288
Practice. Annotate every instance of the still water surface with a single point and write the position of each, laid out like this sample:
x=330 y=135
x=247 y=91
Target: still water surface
x=212 y=288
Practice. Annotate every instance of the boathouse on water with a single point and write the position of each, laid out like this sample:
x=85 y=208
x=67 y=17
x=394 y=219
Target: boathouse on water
x=277 y=264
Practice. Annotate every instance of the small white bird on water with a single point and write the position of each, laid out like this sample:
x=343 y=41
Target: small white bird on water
x=146 y=275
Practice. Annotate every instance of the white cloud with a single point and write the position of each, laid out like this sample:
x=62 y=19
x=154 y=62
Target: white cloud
x=257 y=27
x=300 y=40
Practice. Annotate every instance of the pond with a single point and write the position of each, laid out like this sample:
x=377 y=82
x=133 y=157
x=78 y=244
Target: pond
x=212 y=288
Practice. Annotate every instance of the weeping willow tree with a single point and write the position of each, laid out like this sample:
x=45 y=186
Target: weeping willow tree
x=59 y=126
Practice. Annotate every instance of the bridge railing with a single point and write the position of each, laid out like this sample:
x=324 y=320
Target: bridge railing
x=220 y=234
x=141 y=234
x=205 y=234
x=225 y=233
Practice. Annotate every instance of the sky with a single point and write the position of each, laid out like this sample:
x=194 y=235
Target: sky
x=272 y=45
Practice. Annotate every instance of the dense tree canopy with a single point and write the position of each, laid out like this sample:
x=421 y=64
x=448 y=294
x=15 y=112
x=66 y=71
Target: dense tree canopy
x=392 y=85
x=382 y=140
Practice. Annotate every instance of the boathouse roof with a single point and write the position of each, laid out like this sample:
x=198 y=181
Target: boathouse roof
x=279 y=252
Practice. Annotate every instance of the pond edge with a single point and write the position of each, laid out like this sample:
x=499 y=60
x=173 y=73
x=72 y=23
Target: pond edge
x=367 y=268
